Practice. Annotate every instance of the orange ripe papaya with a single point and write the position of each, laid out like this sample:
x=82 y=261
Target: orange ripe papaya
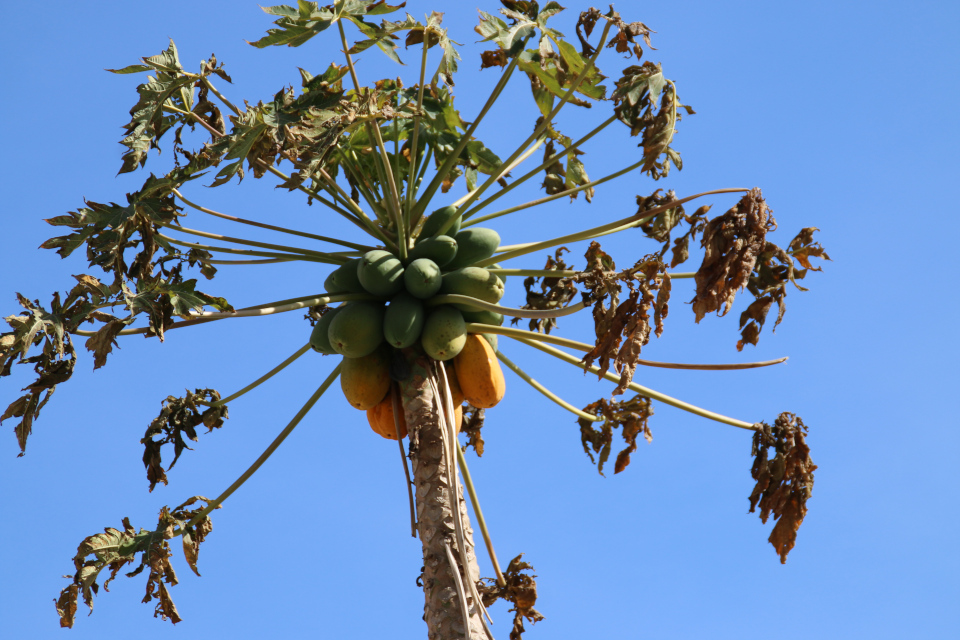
x=479 y=373
x=458 y=417
x=381 y=419
x=455 y=390
x=365 y=381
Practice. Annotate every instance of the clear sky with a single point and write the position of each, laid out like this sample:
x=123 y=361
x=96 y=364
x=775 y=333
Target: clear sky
x=843 y=113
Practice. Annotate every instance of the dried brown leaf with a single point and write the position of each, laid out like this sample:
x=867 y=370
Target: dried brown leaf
x=553 y=293
x=631 y=416
x=785 y=481
x=520 y=590
x=471 y=426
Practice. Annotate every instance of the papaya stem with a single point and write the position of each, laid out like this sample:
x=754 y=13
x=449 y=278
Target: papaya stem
x=394 y=199
x=367 y=191
x=269 y=374
x=239 y=262
x=451 y=160
x=533 y=172
x=542 y=389
x=558 y=273
x=548 y=119
x=249 y=252
x=395 y=399
x=644 y=391
x=271 y=227
x=411 y=177
x=266 y=453
x=636 y=218
x=452 y=298
x=568 y=192
x=336 y=257
x=214 y=91
x=477 y=511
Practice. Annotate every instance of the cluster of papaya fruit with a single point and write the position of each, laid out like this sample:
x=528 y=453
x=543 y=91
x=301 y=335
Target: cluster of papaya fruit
x=400 y=315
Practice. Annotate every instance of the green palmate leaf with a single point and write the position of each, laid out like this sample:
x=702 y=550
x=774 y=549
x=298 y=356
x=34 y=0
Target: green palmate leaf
x=298 y=25
x=435 y=35
x=510 y=38
x=382 y=36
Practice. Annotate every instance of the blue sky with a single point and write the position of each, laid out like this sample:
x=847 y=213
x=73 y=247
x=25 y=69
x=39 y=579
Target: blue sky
x=841 y=112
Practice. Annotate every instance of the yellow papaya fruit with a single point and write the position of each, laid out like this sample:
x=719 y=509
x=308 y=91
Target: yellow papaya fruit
x=458 y=417
x=479 y=374
x=455 y=390
x=365 y=381
x=381 y=419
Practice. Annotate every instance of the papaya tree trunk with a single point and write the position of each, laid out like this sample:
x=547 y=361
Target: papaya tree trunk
x=435 y=501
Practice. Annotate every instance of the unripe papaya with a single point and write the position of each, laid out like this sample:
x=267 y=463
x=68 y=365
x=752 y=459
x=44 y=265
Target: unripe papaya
x=422 y=278
x=474 y=282
x=357 y=329
x=474 y=244
x=403 y=321
x=380 y=273
x=319 y=339
x=438 y=219
x=444 y=333
x=440 y=249
x=365 y=381
x=382 y=421
x=344 y=279
x=491 y=339
x=483 y=316
x=479 y=373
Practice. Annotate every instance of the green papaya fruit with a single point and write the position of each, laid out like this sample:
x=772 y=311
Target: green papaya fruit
x=422 y=278
x=319 y=340
x=444 y=333
x=357 y=329
x=440 y=249
x=483 y=316
x=380 y=273
x=474 y=282
x=403 y=320
x=491 y=338
x=474 y=244
x=344 y=279
x=436 y=221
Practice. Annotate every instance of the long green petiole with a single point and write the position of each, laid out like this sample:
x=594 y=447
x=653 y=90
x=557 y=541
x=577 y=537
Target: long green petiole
x=452 y=298
x=267 y=452
x=333 y=258
x=239 y=262
x=546 y=122
x=393 y=200
x=263 y=225
x=248 y=252
x=637 y=218
x=481 y=522
x=480 y=205
x=451 y=160
x=644 y=391
x=411 y=177
x=562 y=194
x=542 y=389
x=475 y=327
x=269 y=374
x=557 y=273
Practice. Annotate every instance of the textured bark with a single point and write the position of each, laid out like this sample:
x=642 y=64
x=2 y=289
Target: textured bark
x=435 y=502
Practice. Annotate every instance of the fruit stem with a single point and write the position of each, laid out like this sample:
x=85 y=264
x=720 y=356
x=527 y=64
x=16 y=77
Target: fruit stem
x=269 y=374
x=637 y=218
x=264 y=225
x=533 y=172
x=542 y=389
x=266 y=454
x=644 y=391
x=548 y=120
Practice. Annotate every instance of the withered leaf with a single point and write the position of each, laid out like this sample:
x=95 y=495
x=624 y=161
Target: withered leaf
x=733 y=242
x=554 y=293
x=178 y=421
x=631 y=416
x=471 y=426
x=785 y=481
x=520 y=590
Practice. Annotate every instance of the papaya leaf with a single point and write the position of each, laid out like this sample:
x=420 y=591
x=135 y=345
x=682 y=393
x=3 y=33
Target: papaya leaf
x=554 y=293
x=471 y=426
x=520 y=590
x=630 y=416
x=178 y=422
x=785 y=481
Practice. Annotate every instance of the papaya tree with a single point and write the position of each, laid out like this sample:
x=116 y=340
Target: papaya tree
x=410 y=319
